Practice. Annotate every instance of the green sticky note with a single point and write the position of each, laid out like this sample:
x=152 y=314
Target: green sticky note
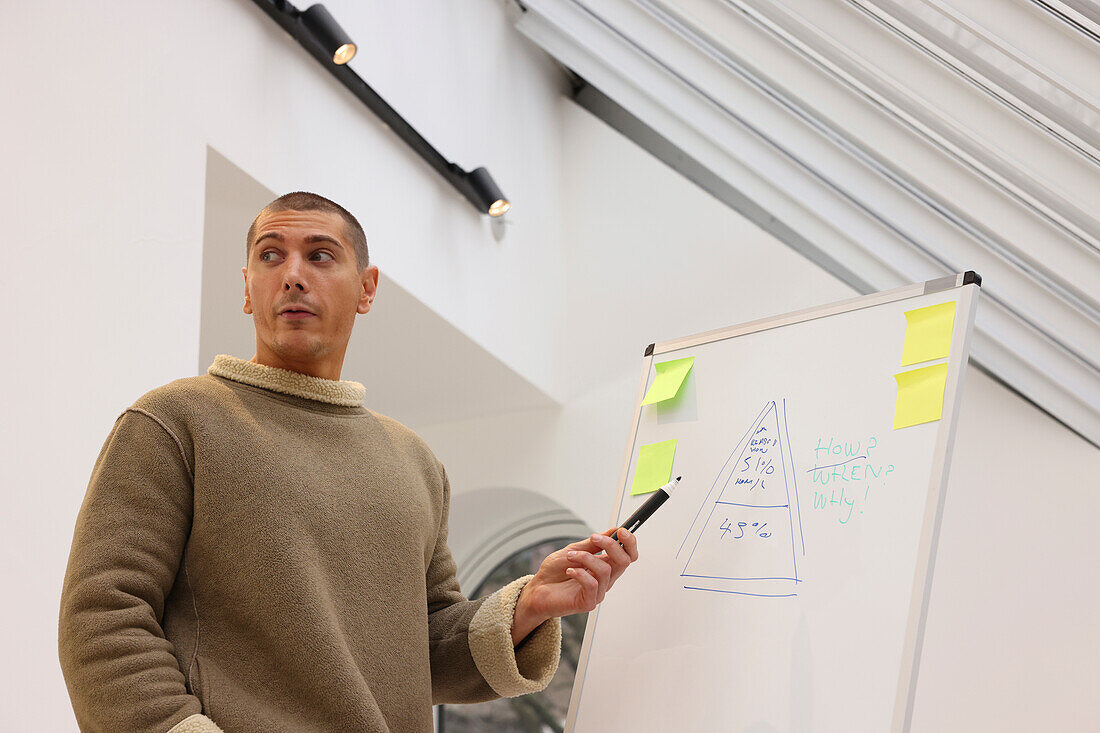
x=654 y=467
x=670 y=377
x=920 y=395
x=928 y=333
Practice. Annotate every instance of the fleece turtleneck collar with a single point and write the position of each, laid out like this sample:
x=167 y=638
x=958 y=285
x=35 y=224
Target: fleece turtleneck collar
x=336 y=392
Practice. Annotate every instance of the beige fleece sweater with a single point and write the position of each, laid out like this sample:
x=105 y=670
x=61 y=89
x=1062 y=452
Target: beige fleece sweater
x=259 y=552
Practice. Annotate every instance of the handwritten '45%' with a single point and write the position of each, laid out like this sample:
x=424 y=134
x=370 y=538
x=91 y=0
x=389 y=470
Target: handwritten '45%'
x=756 y=530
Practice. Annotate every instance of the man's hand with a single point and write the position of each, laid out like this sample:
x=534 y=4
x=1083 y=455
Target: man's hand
x=573 y=580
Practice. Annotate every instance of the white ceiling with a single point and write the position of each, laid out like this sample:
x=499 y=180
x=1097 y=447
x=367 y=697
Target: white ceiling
x=890 y=141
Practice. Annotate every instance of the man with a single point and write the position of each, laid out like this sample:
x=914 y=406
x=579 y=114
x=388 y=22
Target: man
x=258 y=551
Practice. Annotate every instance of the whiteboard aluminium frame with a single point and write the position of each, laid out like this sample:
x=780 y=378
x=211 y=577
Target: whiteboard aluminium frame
x=941 y=462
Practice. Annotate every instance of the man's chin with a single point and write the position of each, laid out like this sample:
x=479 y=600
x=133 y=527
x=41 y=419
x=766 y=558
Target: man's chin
x=302 y=348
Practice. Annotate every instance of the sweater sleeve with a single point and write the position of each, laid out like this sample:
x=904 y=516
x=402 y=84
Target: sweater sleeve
x=470 y=642
x=121 y=671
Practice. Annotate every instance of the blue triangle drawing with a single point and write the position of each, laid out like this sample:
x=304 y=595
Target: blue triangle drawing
x=747 y=534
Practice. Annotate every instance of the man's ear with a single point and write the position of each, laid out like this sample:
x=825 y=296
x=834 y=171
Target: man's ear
x=369 y=278
x=247 y=300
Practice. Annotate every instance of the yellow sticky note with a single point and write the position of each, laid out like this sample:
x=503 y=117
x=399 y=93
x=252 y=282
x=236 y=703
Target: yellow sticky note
x=928 y=333
x=654 y=467
x=670 y=377
x=920 y=395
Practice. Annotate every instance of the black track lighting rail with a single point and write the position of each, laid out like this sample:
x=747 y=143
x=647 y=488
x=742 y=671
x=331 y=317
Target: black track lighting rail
x=476 y=186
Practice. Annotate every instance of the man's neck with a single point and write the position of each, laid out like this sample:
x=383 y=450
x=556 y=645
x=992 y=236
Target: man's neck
x=323 y=369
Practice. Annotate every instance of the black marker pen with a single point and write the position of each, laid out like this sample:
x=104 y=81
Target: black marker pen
x=645 y=510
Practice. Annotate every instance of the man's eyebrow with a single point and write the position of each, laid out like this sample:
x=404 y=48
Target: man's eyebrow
x=272 y=235
x=314 y=238
x=311 y=239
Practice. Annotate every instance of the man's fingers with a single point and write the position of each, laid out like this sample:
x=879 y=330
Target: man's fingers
x=600 y=569
x=622 y=537
x=590 y=588
x=614 y=557
x=597 y=561
x=585 y=545
x=629 y=543
x=616 y=553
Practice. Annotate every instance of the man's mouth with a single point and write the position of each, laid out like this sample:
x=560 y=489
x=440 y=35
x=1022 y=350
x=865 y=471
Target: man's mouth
x=296 y=313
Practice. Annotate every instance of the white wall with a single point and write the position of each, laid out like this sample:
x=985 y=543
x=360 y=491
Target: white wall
x=102 y=188
x=1012 y=641
x=648 y=257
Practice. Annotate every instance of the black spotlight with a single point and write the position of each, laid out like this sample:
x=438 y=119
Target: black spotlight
x=488 y=193
x=328 y=33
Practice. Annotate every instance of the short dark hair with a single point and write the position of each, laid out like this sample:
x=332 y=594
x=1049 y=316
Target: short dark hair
x=306 y=201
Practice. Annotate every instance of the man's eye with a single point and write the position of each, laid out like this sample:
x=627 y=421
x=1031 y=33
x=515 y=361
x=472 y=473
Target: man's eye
x=263 y=256
x=324 y=254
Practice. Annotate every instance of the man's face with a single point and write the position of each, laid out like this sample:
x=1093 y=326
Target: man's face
x=303 y=289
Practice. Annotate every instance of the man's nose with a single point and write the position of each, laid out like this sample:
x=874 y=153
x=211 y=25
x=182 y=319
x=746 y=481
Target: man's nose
x=292 y=275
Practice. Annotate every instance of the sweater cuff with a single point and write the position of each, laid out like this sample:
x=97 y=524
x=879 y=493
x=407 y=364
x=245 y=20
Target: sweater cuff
x=196 y=724
x=513 y=671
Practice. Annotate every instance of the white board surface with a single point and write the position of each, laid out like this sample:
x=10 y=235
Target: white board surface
x=784 y=586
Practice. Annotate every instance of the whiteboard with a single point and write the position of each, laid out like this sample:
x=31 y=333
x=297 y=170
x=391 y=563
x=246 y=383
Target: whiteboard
x=802 y=608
